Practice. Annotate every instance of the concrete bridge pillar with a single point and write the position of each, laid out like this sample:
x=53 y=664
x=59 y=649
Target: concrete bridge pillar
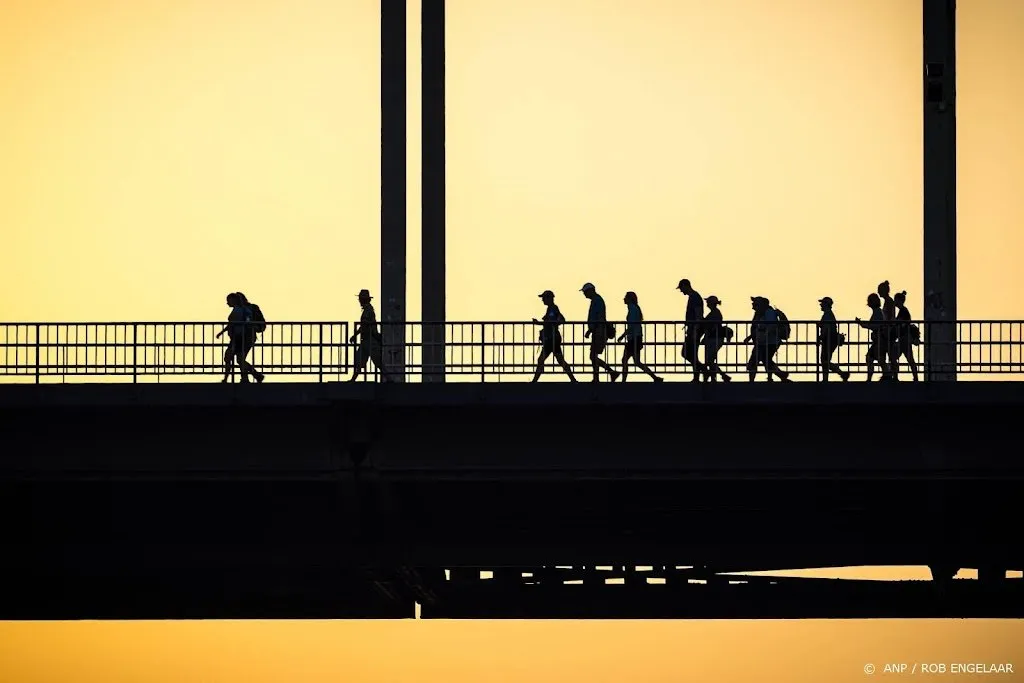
x=940 y=189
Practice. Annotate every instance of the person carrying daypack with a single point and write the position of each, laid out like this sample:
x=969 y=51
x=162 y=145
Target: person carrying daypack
x=766 y=334
x=599 y=330
x=242 y=338
x=784 y=327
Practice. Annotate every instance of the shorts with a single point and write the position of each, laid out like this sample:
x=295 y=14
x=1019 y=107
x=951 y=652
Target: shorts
x=598 y=340
x=632 y=348
x=551 y=344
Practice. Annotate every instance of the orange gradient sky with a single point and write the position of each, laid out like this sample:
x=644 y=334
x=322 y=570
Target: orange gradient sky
x=159 y=153
x=756 y=148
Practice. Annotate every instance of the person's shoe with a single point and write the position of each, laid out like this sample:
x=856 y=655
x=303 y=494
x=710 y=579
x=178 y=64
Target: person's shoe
x=615 y=376
x=259 y=378
x=659 y=379
x=845 y=376
x=726 y=378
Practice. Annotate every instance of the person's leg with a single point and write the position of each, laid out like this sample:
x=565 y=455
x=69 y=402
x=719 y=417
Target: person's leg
x=597 y=346
x=362 y=356
x=894 y=359
x=771 y=367
x=627 y=354
x=248 y=368
x=638 y=346
x=692 y=348
x=545 y=351
x=560 y=359
x=908 y=352
x=229 y=361
x=754 y=361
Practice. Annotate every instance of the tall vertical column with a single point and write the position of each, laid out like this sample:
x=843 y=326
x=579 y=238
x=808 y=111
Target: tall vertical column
x=433 y=179
x=392 y=185
x=940 y=189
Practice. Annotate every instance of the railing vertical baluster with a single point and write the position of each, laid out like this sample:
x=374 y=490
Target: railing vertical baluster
x=483 y=353
x=320 y=354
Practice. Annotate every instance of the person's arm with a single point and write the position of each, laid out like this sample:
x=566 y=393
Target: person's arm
x=355 y=334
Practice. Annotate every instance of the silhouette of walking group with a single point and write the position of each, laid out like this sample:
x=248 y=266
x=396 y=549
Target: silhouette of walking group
x=892 y=336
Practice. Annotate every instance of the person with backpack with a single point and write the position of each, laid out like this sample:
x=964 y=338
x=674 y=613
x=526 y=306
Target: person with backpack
x=242 y=336
x=829 y=339
x=768 y=331
x=255 y=325
x=371 y=346
x=599 y=330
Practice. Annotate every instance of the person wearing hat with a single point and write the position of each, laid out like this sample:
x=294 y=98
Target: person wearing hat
x=829 y=339
x=550 y=337
x=694 y=320
x=764 y=330
x=634 y=337
x=370 y=344
x=715 y=336
x=597 y=331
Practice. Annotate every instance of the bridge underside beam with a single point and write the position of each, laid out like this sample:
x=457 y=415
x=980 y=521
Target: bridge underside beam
x=332 y=593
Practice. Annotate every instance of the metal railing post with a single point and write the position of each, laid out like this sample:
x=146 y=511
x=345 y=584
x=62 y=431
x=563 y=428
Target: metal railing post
x=135 y=353
x=37 y=353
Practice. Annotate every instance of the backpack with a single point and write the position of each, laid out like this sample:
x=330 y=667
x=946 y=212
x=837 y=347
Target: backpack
x=915 y=335
x=784 y=328
x=259 y=322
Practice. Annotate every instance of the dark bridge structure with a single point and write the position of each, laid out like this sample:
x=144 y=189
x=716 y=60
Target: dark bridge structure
x=134 y=485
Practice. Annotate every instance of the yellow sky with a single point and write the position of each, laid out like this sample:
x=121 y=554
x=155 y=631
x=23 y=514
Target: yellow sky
x=159 y=153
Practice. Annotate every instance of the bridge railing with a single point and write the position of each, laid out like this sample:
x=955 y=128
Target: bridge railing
x=472 y=351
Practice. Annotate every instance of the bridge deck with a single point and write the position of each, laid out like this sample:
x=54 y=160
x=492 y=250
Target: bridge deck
x=507 y=431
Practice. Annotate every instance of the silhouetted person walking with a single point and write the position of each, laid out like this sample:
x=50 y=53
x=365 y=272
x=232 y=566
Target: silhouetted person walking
x=597 y=331
x=876 y=351
x=255 y=326
x=887 y=333
x=550 y=337
x=634 y=337
x=907 y=335
x=765 y=333
x=371 y=346
x=829 y=339
x=694 y=319
x=241 y=338
x=715 y=336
